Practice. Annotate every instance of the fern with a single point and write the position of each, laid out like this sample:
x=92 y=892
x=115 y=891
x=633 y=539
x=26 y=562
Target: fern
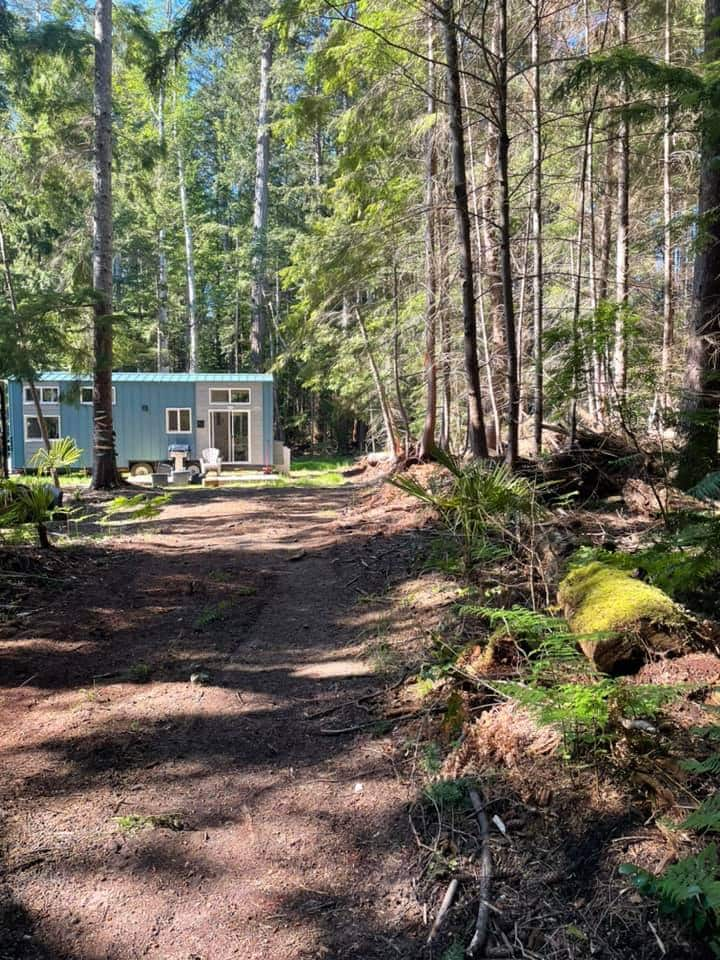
x=476 y=500
x=689 y=889
x=707 y=816
x=708 y=488
x=709 y=765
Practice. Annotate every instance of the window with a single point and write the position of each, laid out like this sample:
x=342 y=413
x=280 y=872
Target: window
x=86 y=396
x=236 y=395
x=177 y=420
x=32 y=428
x=46 y=395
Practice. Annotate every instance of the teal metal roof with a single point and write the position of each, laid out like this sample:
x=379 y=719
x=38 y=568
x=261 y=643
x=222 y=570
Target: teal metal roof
x=61 y=376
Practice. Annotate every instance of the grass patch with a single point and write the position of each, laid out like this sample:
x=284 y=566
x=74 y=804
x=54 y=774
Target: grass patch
x=212 y=614
x=140 y=672
x=325 y=464
x=133 y=822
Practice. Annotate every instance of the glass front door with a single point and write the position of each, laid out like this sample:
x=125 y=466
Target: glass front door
x=230 y=434
x=240 y=436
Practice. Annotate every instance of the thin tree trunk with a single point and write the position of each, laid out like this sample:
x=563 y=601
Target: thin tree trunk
x=513 y=387
x=189 y=262
x=105 y=473
x=476 y=425
x=623 y=226
x=537 y=231
x=385 y=410
x=402 y=409
x=427 y=440
x=162 y=282
x=701 y=404
x=668 y=318
x=480 y=265
x=260 y=211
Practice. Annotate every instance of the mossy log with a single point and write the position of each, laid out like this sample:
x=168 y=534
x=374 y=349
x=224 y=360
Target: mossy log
x=620 y=619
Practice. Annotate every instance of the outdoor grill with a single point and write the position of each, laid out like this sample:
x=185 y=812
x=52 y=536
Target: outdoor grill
x=177 y=452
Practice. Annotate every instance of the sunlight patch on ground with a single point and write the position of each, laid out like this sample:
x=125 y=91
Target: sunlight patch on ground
x=334 y=668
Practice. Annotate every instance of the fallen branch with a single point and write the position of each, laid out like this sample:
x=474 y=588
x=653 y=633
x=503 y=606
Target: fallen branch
x=481 y=923
x=353 y=703
x=444 y=907
x=329 y=731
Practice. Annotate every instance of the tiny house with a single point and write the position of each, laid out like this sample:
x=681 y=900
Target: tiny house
x=152 y=412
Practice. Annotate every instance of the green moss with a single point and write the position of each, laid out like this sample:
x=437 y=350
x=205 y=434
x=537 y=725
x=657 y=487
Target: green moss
x=598 y=599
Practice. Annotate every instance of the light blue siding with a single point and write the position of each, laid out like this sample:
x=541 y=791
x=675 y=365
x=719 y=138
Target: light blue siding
x=138 y=414
x=17 y=434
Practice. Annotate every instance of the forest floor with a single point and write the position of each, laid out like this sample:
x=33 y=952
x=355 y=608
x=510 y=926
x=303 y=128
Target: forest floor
x=268 y=838
x=209 y=752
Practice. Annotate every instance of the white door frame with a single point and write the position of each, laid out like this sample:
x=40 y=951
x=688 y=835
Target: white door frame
x=231 y=411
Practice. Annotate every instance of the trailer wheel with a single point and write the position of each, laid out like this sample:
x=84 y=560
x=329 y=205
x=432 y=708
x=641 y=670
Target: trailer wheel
x=141 y=469
x=193 y=468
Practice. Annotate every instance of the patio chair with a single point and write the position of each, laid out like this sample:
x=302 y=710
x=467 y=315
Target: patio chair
x=210 y=460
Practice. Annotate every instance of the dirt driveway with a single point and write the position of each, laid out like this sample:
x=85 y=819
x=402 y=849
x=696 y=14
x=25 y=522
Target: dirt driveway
x=270 y=839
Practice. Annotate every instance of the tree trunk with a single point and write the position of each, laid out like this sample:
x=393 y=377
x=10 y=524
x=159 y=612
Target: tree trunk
x=668 y=318
x=189 y=261
x=105 y=473
x=402 y=409
x=513 y=387
x=476 y=425
x=260 y=211
x=427 y=440
x=493 y=431
x=537 y=226
x=388 y=420
x=701 y=403
x=623 y=226
x=162 y=283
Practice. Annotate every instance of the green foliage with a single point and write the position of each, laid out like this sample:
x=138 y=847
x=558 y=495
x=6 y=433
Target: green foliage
x=706 y=819
x=708 y=765
x=63 y=454
x=688 y=889
x=30 y=501
x=684 y=555
x=132 y=822
x=449 y=794
x=708 y=488
x=136 y=509
x=477 y=500
x=588 y=713
x=456 y=951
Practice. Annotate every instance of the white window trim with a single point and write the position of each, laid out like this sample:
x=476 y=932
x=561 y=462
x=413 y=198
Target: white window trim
x=88 y=403
x=178 y=410
x=33 y=416
x=227 y=402
x=40 y=387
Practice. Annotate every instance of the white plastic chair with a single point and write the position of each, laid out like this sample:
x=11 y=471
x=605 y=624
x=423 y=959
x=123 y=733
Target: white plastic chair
x=210 y=460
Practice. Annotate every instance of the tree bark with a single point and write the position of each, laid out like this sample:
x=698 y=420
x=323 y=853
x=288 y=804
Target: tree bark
x=162 y=282
x=623 y=227
x=105 y=475
x=260 y=210
x=700 y=417
x=513 y=386
x=427 y=440
x=668 y=317
x=189 y=261
x=537 y=228
x=385 y=410
x=476 y=425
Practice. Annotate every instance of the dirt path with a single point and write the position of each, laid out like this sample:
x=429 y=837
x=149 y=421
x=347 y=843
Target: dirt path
x=292 y=844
